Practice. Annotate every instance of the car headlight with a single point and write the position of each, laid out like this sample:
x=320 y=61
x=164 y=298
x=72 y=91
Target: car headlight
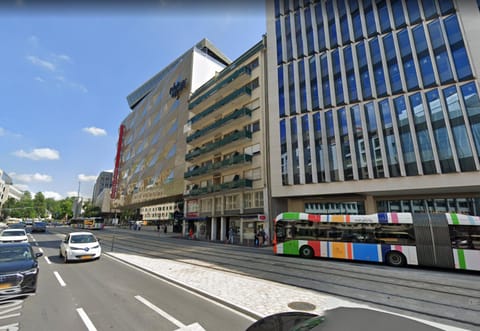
x=32 y=271
x=96 y=246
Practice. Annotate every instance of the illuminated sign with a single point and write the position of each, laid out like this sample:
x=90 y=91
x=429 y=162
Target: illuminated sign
x=177 y=88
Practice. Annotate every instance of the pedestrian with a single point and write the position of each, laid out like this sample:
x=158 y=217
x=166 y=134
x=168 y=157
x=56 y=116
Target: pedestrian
x=165 y=228
x=158 y=226
x=139 y=225
x=190 y=233
x=231 y=234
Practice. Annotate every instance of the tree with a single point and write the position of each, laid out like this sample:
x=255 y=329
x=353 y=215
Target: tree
x=26 y=206
x=40 y=205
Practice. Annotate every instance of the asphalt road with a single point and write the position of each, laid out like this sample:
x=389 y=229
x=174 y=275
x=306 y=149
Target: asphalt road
x=108 y=295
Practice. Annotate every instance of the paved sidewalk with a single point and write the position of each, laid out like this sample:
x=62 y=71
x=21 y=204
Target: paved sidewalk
x=254 y=297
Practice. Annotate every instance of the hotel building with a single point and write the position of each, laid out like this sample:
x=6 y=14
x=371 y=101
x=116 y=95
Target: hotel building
x=374 y=105
x=226 y=176
x=150 y=161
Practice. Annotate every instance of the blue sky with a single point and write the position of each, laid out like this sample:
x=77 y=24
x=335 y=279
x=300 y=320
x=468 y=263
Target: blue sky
x=66 y=73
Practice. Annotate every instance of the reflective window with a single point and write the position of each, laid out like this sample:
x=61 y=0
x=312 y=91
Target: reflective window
x=364 y=74
x=451 y=100
x=359 y=142
x=378 y=74
x=277 y=8
x=337 y=77
x=295 y=150
x=388 y=134
x=332 y=28
x=472 y=104
x=460 y=58
x=383 y=16
x=303 y=87
x=369 y=18
x=440 y=132
x=309 y=30
x=291 y=89
x=278 y=33
x=288 y=37
x=332 y=146
x=398 y=15
x=283 y=147
x=351 y=80
x=407 y=58
x=298 y=35
x=393 y=70
x=342 y=13
x=429 y=8
x=320 y=29
x=307 y=158
x=320 y=160
x=413 y=11
x=345 y=145
x=357 y=25
x=405 y=136
x=313 y=83
x=440 y=52
x=281 y=93
x=374 y=142
x=426 y=69
x=327 y=100
x=446 y=6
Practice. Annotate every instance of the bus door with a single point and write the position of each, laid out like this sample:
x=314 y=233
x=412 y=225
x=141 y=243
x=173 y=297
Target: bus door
x=433 y=240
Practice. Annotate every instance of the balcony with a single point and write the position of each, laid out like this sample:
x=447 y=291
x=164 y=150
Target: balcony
x=236 y=135
x=228 y=99
x=236 y=114
x=234 y=160
x=218 y=86
x=234 y=184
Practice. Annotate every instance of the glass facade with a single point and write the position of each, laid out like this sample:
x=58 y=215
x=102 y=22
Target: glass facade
x=386 y=87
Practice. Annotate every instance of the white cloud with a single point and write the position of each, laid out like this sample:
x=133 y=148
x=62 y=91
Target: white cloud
x=22 y=187
x=95 y=131
x=39 y=154
x=72 y=194
x=63 y=57
x=53 y=195
x=40 y=79
x=85 y=178
x=35 y=60
x=30 y=178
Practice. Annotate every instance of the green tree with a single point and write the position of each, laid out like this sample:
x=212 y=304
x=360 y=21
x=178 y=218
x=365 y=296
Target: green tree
x=65 y=208
x=40 y=206
x=25 y=206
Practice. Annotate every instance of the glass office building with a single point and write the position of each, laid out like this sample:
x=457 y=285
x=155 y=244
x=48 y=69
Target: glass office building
x=374 y=104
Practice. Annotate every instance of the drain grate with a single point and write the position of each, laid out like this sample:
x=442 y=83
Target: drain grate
x=299 y=305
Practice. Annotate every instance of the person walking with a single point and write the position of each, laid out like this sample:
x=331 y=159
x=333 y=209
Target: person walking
x=158 y=226
x=231 y=234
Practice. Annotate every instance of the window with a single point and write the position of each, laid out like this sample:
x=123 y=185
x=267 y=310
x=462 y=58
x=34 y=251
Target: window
x=247 y=200
x=320 y=161
x=460 y=58
x=465 y=236
x=258 y=199
x=423 y=55
x=231 y=202
x=253 y=174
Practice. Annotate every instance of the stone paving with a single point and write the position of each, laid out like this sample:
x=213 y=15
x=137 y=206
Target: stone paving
x=254 y=297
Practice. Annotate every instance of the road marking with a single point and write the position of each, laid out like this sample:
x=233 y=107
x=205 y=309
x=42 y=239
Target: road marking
x=47 y=259
x=88 y=323
x=40 y=250
x=60 y=280
x=172 y=283
x=11 y=327
x=159 y=311
x=33 y=238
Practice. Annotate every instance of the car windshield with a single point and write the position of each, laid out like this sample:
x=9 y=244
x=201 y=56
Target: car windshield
x=9 y=254
x=82 y=239
x=13 y=233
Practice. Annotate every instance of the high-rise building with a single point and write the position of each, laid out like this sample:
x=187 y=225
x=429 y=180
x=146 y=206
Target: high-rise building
x=374 y=105
x=104 y=180
x=150 y=161
x=226 y=176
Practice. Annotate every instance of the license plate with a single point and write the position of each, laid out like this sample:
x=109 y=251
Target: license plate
x=85 y=257
x=5 y=285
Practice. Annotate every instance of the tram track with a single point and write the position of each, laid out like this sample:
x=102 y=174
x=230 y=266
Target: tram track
x=385 y=288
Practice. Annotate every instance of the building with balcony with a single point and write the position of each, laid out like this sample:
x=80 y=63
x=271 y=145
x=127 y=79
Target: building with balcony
x=104 y=181
x=374 y=105
x=150 y=160
x=226 y=173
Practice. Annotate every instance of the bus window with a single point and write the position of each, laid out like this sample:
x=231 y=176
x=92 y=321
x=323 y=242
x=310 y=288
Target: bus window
x=465 y=236
x=396 y=234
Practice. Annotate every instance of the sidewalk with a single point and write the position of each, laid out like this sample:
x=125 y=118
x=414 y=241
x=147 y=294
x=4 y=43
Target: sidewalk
x=254 y=297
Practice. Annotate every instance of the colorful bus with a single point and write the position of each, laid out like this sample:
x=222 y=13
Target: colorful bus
x=92 y=223
x=397 y=239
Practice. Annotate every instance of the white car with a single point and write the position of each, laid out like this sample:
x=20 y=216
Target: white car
x=13 y=236
x=80 y=246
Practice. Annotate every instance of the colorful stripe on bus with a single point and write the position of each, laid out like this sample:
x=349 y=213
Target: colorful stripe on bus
x=382 y=218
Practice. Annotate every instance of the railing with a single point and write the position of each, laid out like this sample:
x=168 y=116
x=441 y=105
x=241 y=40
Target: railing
x=240 y=183
x=236 y=114
x=212 y=146
x=237 y=159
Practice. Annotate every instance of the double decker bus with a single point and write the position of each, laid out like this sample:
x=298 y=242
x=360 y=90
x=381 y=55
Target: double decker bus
x=437 y=240
x=92 y=223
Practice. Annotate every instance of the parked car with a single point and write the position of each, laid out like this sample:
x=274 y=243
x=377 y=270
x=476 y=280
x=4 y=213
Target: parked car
x=18 y=268
x=13 y=236
x=80 y=246
x=19 y=225
x=39 y=227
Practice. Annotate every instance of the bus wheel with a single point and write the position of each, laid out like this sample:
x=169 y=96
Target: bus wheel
x=396 y=259
x=306 y=251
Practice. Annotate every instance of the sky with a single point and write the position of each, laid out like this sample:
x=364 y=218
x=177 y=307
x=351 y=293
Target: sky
x=65 y=73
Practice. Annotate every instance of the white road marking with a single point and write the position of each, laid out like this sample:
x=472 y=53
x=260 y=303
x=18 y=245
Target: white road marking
x=33 y=238
x=192 y=327
x=159 y=311
x=88 y=323
x=11 y=327
x=40 y=250
x=36 y=243
x=204 y=297
x=47 y=259
x=60 y=280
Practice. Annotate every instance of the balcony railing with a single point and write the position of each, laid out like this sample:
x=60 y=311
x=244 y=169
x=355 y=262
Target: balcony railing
x=240 y=183
x=221 y=103
x=236 y=114
x=221 y=143
x=236 y=159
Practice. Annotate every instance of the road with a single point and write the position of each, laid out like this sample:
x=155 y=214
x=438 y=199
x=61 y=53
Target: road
x=108 y=295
